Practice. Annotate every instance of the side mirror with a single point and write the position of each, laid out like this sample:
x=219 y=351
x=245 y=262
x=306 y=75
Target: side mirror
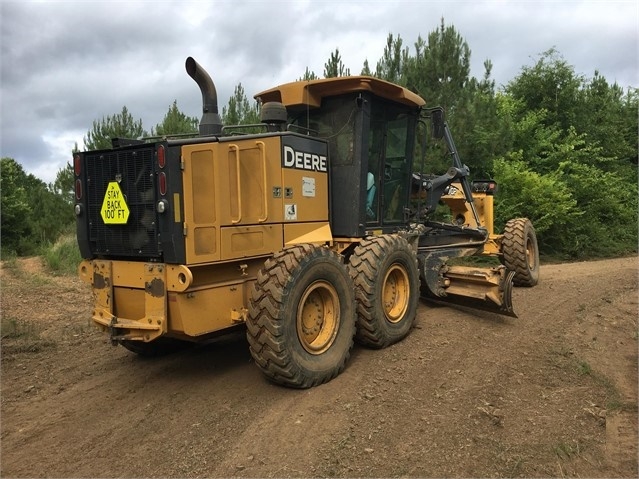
x=437 y=122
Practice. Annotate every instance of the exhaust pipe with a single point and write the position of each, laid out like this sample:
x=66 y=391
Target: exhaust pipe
x=211 y=123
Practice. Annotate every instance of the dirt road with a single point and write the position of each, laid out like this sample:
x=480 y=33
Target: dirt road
x=467 y=394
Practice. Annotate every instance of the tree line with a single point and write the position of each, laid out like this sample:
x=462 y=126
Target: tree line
x=562 y=146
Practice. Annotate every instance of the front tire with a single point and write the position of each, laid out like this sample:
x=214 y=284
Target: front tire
x=521 y=252
x=301 y=319
x=384 y=271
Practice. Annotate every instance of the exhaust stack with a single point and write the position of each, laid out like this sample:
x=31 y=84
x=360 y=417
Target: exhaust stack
x=211 y=123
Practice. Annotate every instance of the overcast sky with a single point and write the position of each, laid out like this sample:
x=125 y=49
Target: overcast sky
x=67 y=63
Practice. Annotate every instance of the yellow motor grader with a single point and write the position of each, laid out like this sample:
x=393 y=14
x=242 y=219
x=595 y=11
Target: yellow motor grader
x=310 y=232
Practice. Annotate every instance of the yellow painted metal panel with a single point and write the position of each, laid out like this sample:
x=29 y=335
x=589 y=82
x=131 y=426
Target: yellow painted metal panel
x=205 y=240
x=130 y=312
x=305 y=195
x=318 y=233
x=201 y=210
x=249 y=176
x=459 y=208
x=128 y=303
x=207 y=310
x=203 y=186
x=246 y=241
x=128 y=274
x=310 y=93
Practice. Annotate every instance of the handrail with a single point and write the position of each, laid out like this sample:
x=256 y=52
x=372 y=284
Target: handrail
x=262 y=147
x=236 y=150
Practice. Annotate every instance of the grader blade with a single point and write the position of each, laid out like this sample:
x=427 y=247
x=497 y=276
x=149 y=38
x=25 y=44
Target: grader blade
x=488 y=289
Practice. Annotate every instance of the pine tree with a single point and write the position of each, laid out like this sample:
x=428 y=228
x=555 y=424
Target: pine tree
x=334 y=66
x=175 y=122
x=120 y=125
x=308 y=75
x=239 y=111
x=390 y=67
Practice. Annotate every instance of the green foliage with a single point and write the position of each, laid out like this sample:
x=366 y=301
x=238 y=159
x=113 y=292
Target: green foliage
x=334 y=66
x=440 y=69
x=308 y=75
x=579 y=133
x=239 y=110
x=558 y=144
x=486 y=137
x=50 y=212
x=366 y=69
x=120 y=125
x=544 y=199
x=63 y=256
x=32 y=213
x=609 y=119
x=20 y=336
x=562 y=147
x=550 y=85
x=14 y=204
x=391 y=66
x=609 y=206
x=64 y=184
x=176 y=123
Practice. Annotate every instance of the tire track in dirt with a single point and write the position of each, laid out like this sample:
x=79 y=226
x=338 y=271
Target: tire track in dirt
x=465 y=394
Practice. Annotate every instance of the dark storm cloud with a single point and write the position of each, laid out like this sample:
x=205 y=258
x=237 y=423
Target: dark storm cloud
x=66 y=64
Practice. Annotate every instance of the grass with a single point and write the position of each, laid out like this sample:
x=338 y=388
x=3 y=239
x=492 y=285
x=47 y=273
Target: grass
x=584 y=368
x=13 y=328
x=10 y=262
x=21 y=337
x=31 y=280
x=565 y=450
x=614 y=401
x=63 y=256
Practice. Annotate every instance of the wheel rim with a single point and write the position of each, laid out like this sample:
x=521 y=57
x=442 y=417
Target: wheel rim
x=395 y=293
x=318 y=317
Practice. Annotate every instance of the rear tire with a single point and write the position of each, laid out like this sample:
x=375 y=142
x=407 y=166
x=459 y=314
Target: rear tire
x=521 y=252
x=301 y=319
x=384 y=270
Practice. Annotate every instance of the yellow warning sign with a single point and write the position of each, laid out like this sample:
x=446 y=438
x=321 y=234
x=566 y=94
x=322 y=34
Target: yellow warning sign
x=114 y=208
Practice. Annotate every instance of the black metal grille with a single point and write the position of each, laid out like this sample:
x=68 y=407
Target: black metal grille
x=133 y=169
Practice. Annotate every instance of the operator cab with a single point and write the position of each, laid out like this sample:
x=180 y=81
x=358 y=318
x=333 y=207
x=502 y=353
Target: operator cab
x=370 y=126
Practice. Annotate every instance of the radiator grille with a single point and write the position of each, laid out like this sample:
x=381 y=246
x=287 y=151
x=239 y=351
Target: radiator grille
x=133 y=168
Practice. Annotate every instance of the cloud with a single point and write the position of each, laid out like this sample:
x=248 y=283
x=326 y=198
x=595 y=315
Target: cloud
x=66 y=64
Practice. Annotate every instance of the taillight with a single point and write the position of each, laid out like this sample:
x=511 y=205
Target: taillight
x=78 y=189
x=77 y=165
x=162 y=183
x=161 y=157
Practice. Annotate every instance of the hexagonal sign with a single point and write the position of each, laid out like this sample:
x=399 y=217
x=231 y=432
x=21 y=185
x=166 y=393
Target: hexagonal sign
x=114 y=211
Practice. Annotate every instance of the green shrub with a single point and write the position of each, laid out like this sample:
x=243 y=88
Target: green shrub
x=63 y=256
x=543 y=198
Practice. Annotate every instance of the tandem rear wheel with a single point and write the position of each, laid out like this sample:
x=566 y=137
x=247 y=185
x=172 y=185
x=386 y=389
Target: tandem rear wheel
x=301 y=318
x=384 y=271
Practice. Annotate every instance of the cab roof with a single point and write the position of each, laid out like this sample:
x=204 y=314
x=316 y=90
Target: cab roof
x=310 y=93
